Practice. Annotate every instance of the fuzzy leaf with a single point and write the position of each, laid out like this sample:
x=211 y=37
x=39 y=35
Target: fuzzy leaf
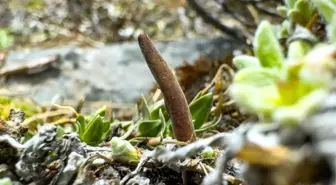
x=302 y=12
x=5 y=38
x=266 y=46
x=298 y=49
x=245 y=61
x=298 y=112
x=124 y=150
x=208 y=153
x=200 y=109
x=260 y=100
x=327 y=8
x=257 y=77
x=150 y=128
x=331 y=29
x=282 y=10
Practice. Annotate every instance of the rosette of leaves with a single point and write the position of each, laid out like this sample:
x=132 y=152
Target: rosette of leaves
x=282 y=89
x=156 y=121
x=95 y=130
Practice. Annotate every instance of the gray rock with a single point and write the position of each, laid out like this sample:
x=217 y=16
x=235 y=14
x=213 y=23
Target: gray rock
x=115 y=72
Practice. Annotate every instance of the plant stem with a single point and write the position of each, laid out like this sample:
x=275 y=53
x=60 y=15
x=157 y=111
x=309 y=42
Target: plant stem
x=175 y=100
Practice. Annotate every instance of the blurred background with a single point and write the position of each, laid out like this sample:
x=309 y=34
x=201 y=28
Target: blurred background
x=69 y=50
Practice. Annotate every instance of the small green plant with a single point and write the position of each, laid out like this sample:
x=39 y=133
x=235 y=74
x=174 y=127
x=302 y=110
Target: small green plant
x=156 y=122
x=95 y=130
x=123 y=150
x=286 y=88
x=5 y=38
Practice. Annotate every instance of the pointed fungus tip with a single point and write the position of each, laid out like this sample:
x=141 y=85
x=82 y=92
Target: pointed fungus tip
x=142 y=37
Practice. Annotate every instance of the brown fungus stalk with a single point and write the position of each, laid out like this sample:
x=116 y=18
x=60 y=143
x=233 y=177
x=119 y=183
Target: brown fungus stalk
x=174 y=98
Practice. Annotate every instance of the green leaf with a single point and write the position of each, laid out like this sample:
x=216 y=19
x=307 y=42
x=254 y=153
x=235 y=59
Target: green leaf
x=282 y=10
x=107 y=128
x=257 y=77
x=331 y=29
x=213 y=124
x=145 y=109
x=124 y=151
x=101 y=111
x=35 y=5
x=208 y=153
x=154 y=109
x=327 y=8
x=5 y=181
x=200 y=109
x=298 y=49
x=80 y=125
x=5 y=38
x=260 y=100
x=290 y=3
x=298 y=112
x=245 y=61
x=266 y=46
x=302 y=12
x=164 y=124
x=60 y=131
x=150 y=128
x=95 y=132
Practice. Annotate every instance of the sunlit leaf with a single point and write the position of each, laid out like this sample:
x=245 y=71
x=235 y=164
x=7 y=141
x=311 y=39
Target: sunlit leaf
x=245 y=61
x=5 y=38
x=200 y=109
x=29 y=107
x=331 y=29
x=101 y=111
x=5 y=181
x=267 y=47
x=327 y=8
x=298 y=112
x=260 y=100
x=257 y=77
x=298 y=49
x=34 y=5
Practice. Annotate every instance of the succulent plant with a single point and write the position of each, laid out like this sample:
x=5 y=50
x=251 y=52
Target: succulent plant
x=283 y=89
x=93 y=131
